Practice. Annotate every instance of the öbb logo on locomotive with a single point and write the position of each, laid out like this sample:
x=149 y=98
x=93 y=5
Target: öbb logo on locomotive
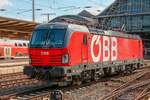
x=103 y=47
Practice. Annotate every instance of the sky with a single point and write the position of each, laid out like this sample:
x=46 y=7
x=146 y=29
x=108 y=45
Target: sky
x=22 y=9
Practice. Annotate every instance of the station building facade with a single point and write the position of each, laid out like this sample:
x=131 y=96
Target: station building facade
x=132 y=16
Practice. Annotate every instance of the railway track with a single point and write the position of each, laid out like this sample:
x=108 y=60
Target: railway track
x=12 y=82
x=42 y=94
x=102 y=88
x=108 y=90
x=143 y=94
x=40 y=90
x=16 y=82
x=25 y=89
x=141 y=80
x=10 y=76
x=87 y=88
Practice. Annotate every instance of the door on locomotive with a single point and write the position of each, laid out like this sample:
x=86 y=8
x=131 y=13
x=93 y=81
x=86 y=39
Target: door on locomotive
x=85 y=49
x=7 y=52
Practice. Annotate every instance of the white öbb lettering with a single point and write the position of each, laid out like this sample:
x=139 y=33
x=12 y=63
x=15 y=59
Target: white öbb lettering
x=107 y=48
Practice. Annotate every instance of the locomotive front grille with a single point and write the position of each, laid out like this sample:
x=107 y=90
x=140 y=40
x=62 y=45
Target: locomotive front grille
x=47 y=61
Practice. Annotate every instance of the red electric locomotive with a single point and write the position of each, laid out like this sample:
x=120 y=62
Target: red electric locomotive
x=69 y=53
x=13 y=48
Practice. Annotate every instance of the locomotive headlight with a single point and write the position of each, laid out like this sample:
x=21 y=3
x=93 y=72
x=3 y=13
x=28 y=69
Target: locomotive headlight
x=65 y=59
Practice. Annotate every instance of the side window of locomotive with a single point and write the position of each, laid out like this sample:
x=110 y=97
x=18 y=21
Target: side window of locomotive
x=84 y=39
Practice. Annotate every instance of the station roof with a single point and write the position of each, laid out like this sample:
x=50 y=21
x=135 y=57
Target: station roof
x=16 y=25
x=76 y=19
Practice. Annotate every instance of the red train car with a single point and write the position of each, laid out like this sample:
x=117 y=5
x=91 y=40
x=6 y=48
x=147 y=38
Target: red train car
x=13 y=49
x=68 y=53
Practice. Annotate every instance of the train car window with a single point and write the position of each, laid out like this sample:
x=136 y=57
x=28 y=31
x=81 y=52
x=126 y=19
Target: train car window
x=84 y=39
x=16 y=44
x=24 y=44
x=20 y=44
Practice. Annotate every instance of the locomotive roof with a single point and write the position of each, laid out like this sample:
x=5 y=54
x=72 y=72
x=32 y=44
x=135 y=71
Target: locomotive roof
x=83 y=28
x=64 y=25
x=114 y=33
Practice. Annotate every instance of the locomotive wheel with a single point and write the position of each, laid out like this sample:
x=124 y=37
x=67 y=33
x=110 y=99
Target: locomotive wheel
x=77 y=81
x=138 y=65
x=29 y=71
x=96 y=77
x=107 y=71
x=119 y=70
x=128 y=69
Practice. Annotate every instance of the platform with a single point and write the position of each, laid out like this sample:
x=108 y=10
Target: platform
x=12 y=65
x=13 y=62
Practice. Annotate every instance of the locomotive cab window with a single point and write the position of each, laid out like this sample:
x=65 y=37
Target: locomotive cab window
x=53 y=37
x=84 y=39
